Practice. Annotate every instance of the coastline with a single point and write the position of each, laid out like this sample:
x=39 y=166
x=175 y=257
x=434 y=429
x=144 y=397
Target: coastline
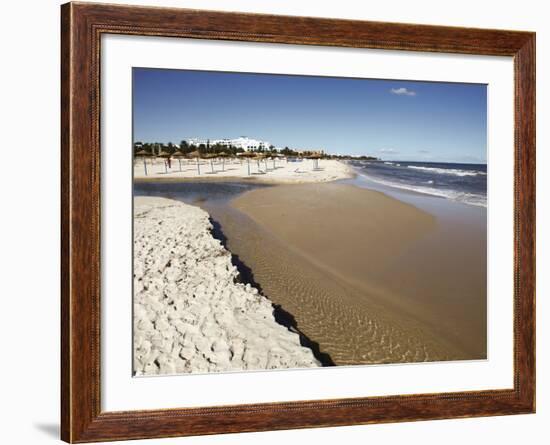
x=461 y=183
x=354 y=266
x=191 y=314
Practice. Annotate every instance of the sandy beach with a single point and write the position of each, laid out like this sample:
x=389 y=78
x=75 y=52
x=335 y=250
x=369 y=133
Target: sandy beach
x=191 y=313
x=278 y=171
x=362 y=276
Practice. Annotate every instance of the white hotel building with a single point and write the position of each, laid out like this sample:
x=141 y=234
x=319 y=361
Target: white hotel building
x=243 y=142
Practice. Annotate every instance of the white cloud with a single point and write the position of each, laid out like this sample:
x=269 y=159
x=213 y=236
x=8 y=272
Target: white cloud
x=388 y=151
x=403 y=92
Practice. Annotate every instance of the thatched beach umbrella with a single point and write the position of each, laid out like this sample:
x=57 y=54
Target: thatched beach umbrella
x=211 y=156
x=315 y=158
x=166 y=156
x=178 y=154
x=274 y=157
x=247 y=155
x=143 y=154
x=259 y=157
x=223 y=156
x=196 y=155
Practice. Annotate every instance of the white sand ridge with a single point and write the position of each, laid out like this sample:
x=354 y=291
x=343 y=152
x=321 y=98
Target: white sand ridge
x=190 y=312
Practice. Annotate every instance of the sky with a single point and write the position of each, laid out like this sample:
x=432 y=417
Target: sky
x=389 y=119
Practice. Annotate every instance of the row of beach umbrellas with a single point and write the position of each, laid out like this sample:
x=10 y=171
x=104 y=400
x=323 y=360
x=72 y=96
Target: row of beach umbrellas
x=211 y=156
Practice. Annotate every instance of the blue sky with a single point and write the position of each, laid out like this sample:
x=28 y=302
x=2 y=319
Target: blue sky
x=390 y=119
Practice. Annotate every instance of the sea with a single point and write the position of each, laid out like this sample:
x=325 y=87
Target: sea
x=466 y=183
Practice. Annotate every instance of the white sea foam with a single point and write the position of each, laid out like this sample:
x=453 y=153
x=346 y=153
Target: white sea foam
x=466 y=198
x=448 y=171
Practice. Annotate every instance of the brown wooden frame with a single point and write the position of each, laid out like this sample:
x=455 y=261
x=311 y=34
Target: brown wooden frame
x=82 y=25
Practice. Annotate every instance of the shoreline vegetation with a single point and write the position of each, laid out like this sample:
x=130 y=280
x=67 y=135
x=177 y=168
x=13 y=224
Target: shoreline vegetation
x=207 y=150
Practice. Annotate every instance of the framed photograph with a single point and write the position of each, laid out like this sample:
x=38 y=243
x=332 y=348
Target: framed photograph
x=274 y=222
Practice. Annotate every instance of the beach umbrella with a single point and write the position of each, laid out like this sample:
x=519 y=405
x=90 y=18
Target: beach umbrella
x=260 y=157
x=315 y=158
x=223 y=156
x=178 y=155
x=274 y=157
x=211 y=157
x=143 y=154
x=196 y=154
x=247 y=155
x=166 y=156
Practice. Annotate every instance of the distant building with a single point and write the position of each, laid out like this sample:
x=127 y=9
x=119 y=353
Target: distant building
x=243 y=142
x=313 y=151
x=249 y=144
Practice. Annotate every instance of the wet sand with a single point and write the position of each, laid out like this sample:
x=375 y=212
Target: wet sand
x=368 y=277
